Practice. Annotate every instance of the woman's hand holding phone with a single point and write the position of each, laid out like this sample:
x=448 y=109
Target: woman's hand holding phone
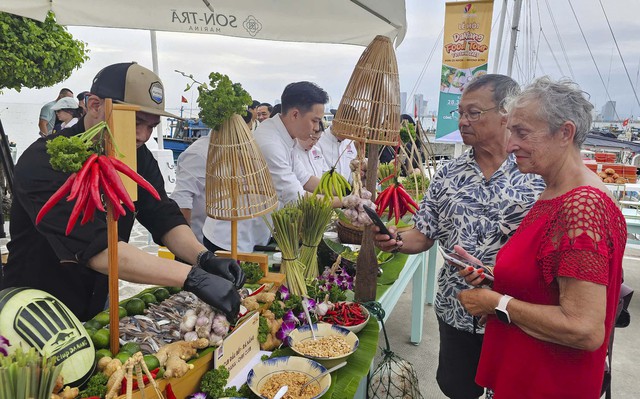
x=471 y=269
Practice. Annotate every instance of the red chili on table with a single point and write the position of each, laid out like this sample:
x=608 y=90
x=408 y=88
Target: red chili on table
x=345 y=314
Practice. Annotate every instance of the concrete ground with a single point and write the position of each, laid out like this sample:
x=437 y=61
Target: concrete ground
x=424 y=357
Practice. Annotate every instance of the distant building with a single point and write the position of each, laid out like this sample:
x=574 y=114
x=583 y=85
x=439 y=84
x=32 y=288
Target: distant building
x=418 y=106
x=609 y=112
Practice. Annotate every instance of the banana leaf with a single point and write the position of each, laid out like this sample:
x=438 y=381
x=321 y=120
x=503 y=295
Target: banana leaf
x=345 y=381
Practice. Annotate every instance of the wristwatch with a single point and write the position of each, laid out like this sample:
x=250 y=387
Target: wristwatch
x=501 y=309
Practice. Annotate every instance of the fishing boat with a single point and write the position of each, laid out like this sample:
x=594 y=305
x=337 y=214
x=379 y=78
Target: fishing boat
x=182 y=133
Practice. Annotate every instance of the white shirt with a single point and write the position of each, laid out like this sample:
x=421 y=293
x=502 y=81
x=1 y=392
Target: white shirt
x=190 y=194
x=331 y=149
x=313 y=160
x=65 y=125
x=287 y=172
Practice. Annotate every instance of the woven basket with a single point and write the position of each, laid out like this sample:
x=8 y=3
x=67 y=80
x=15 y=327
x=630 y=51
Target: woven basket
x=348 y=233
x=369 y=111
x=238 y=182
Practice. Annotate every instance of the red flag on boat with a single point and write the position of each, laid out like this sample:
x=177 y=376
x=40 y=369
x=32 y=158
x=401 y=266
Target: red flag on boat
x=625 y=122
x=184 y=100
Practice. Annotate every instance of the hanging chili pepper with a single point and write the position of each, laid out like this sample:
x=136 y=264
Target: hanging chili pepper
x=125 y=169
x=111 y=176
x=56 y=197
x=82 y=174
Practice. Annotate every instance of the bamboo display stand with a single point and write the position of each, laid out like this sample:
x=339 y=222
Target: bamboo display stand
x=121 y=120
x=238 y=182
x=369 y=113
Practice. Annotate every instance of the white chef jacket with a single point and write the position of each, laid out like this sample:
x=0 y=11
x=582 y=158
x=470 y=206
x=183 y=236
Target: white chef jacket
x=313 y=160
x=287 y=172
x=331 y=149
x=190 y=194
x=190 y=179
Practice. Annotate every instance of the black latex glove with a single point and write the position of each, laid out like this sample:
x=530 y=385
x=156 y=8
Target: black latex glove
x=226 y=268
x=215 y=291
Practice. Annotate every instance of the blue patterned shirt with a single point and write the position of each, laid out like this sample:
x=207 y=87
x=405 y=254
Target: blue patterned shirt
x=463 y=208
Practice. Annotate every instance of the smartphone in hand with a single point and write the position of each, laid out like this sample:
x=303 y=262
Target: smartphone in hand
x=377 y=221
x=463 y=263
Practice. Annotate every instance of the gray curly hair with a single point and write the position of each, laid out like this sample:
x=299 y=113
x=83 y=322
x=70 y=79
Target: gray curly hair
x=558 y=102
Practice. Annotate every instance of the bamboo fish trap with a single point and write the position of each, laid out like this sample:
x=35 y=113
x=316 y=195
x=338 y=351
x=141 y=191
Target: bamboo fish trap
x=238 y=183
x=369 y=111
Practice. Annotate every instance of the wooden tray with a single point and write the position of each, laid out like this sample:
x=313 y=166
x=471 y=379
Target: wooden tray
x=184 y=386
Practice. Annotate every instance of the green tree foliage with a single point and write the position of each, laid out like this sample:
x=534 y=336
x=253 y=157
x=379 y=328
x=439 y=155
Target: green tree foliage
x=36 y=54
x=220 y=99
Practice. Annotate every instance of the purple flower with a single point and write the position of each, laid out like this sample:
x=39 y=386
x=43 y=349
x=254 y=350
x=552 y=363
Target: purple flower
x=198 y=395
x=289 y=317
x=311 y=303
x=4 y=346
x=284 y=293
x=285 y=329
x=303 y=317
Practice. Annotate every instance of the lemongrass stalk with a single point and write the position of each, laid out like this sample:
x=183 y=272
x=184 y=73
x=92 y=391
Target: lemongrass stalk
x=316 y=215
x=285 y=229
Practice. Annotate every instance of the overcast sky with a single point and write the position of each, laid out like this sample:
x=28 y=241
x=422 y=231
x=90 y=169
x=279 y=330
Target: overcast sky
x=265 y=67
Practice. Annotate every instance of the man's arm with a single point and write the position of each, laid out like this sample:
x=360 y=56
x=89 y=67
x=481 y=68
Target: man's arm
x=186 y=212
x=413 y=241
x=43 y=125
x=137 y=266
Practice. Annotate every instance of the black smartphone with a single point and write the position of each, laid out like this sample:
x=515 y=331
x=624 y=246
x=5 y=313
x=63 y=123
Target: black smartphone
x=377 y=221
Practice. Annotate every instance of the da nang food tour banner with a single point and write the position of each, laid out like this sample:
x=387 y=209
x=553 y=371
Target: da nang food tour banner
x=465 y=54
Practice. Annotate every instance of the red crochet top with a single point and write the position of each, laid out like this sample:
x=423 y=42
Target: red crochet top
x=580 y=234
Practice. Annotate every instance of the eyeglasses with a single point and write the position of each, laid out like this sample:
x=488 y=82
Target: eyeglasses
x=472 y=116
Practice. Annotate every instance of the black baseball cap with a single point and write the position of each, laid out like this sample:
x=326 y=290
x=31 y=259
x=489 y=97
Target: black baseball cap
x=130 y=83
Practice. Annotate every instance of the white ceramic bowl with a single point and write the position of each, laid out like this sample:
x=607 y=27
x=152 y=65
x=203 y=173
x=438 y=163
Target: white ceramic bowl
x=263 y=371
x=303 y=333
x=357 y=328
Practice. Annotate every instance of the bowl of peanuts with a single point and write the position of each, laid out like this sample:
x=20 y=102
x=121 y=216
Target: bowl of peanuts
x=267 y=377
x=333 y=344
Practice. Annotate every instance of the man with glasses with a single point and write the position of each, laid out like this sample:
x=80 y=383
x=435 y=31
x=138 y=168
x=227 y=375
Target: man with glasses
x=475 y=201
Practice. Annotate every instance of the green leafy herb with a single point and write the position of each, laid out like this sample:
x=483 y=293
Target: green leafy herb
x=253 y=271
x=263 y=330
x=69 y=153
x=97 y=386
x=214 y=381
x=220 y=99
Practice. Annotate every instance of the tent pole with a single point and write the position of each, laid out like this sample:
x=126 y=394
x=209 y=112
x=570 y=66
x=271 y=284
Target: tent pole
x=496 y=62
x=154 y=60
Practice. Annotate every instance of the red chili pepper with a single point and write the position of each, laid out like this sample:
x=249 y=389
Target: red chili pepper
x=392 y=205
x=89 y=210
x=56 y=197
x=82 y=173
x=118 y=209
x=396 y=205
x=407 y=197
x=111 y=175
x=169 y=391
x=83 y=196
x=95 y=187
x=382 y=201
x=142 y=182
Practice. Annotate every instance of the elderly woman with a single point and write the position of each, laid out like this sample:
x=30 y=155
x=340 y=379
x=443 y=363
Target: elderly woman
x=557 y=280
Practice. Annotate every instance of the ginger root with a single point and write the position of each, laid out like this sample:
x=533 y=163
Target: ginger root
x=176 y=367
x=67 y=393
x=274 y=325
x=250 y=303
x=111 y=366
x=173 y=357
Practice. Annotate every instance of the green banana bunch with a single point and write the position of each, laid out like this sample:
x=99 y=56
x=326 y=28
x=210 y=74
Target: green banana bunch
x=385 y=169
x=332 y=183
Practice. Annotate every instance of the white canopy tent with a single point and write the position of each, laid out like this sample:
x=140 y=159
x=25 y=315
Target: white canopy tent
x=344 y=21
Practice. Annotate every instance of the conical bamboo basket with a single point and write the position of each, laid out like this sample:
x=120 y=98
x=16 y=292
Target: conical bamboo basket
x=238 y=183
x=369 y=111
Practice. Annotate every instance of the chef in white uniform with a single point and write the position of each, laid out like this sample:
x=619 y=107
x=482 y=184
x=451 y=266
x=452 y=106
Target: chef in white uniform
x=310 y=154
